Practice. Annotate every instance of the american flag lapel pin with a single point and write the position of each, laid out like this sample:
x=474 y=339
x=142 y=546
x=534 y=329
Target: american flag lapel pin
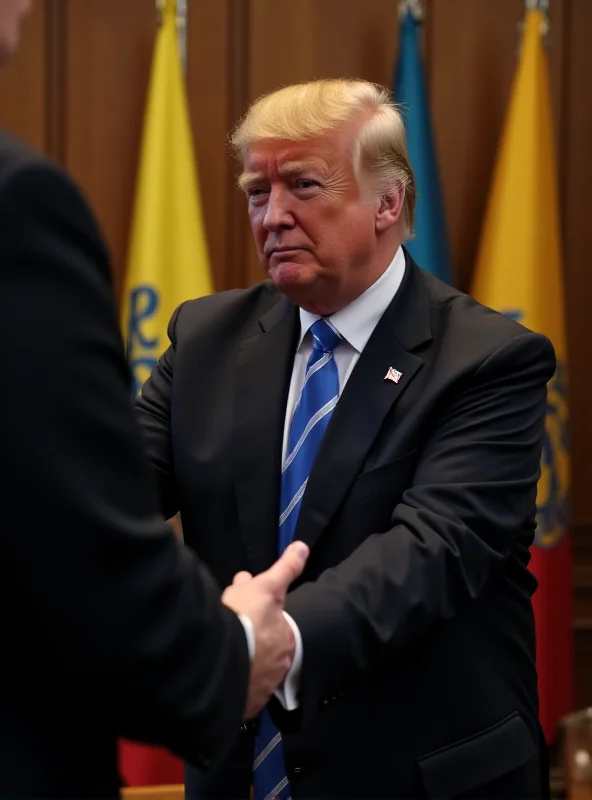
x=393 y=375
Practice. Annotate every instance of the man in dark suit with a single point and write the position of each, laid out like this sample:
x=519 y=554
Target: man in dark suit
x=395 y=425
x=110 y=627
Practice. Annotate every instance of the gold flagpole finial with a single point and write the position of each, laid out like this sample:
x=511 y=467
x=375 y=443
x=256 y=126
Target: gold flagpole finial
x=536 y=5
x=544 y=6
x=413 y=7
x=178 y=9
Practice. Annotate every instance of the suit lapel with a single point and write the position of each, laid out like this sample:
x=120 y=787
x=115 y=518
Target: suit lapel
x=264 y=367
x=365 y=401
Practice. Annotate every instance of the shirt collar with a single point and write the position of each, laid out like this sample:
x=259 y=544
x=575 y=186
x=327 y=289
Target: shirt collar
x=357 y=321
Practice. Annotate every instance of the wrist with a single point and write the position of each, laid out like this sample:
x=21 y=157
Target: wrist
x=249 y=634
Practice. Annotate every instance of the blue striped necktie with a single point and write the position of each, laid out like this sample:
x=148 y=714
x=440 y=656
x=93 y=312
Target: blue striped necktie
x=318 y=398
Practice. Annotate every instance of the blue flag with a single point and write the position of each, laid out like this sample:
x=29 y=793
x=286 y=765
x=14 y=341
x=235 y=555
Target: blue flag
x=429 y=247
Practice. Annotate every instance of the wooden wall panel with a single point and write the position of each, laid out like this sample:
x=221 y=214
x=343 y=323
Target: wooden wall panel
x=472 y=62
x=583 y=665
x=23 y=90
x=109 y=48
x=208 y=71
x=576 y=183
x=311 y=39
x=108 y=53
x=237 y=233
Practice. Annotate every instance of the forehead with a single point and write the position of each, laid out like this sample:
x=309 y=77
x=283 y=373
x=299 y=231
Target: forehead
x=287 y=156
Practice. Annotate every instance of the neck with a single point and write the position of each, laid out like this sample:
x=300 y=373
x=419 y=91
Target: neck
x=334 y=299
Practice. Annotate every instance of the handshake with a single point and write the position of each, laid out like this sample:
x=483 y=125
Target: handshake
x=262 y=599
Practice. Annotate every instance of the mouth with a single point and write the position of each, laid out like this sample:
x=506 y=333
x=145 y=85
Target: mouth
x=284 y=253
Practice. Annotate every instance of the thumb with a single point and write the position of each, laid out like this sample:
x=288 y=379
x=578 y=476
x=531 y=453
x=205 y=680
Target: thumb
x=288 y=567
x=241 y=577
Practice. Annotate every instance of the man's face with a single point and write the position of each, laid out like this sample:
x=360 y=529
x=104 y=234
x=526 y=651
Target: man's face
x=11 y=15
x=314 y=227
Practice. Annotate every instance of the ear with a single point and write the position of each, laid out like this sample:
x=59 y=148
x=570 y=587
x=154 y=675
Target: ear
x=390 y=208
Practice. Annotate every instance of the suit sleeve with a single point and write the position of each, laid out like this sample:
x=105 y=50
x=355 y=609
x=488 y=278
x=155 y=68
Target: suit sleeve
x=471 y=502
x=153 y=407
x=99 y=584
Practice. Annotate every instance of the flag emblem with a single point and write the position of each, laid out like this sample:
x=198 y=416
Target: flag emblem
x=393 y=375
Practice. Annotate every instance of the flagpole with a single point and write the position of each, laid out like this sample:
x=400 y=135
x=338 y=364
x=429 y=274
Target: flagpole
x=182 y=32
x=181 y=12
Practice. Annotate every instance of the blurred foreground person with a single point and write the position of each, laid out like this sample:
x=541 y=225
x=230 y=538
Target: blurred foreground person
x=110 y=627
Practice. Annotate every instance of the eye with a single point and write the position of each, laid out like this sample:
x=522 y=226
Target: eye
x=257 y=195
x=306 y=183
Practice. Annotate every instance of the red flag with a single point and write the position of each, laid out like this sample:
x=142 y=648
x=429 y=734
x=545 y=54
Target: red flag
x=553 y=612
x=142 y=765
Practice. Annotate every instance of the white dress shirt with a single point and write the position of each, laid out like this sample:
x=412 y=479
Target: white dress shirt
x=355 y=323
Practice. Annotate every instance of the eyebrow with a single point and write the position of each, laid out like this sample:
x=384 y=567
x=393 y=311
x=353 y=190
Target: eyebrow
x=289 y=168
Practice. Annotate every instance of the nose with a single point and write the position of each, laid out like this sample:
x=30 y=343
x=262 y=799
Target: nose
x=278 y=213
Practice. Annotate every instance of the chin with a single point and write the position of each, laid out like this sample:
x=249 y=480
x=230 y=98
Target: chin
x=289 y=275
x=302 y=286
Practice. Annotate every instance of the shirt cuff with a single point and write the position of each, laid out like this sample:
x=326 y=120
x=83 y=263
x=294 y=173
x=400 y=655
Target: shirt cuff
x=250 y=634
x=288 y=692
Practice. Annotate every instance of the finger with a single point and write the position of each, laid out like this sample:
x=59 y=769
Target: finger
x=241 y=577
x=288 y=567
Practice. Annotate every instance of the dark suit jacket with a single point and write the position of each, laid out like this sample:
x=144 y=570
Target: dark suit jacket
x=109 y=627
x=419 y=674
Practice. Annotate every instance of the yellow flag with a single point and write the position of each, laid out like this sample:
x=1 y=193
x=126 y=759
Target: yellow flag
x=168 y=258
x=519 y=273
x=519 y=270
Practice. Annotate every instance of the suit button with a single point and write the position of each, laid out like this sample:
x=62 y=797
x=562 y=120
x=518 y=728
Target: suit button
x=243 y=728
x=203 y=761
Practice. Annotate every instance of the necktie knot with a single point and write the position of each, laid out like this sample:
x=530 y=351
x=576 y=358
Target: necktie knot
x=324 y=337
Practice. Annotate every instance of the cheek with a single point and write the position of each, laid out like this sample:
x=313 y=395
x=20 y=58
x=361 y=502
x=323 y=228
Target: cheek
x=259 y=233
x=348 y=235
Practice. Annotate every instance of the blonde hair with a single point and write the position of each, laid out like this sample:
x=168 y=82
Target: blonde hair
x=306 y=110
